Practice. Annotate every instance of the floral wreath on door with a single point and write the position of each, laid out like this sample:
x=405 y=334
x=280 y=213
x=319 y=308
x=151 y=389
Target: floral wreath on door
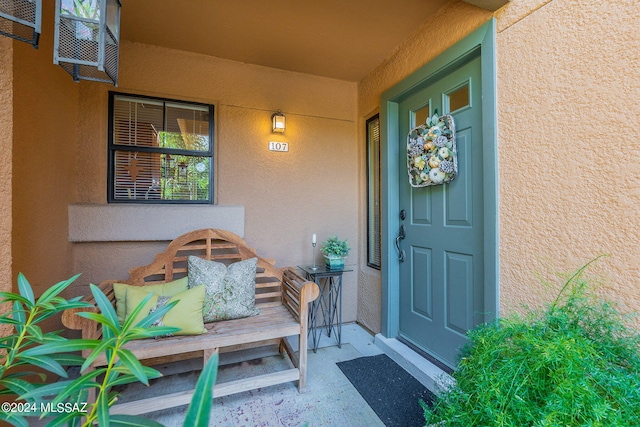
x=432 y=157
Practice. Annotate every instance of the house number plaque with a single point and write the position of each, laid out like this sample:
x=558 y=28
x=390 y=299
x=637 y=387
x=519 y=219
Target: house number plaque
x=278 y=146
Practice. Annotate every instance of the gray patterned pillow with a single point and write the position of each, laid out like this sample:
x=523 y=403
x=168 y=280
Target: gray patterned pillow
x=231 y=291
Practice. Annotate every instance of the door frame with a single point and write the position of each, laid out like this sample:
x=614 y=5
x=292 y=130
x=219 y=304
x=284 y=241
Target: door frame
x=484 y=40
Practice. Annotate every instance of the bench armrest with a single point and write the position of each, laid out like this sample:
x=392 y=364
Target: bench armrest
x=297 y=293
x=89 y=328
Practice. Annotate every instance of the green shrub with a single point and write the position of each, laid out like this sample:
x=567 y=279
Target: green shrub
x=573 y=363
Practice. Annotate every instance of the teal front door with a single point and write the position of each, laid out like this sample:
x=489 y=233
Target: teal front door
x=441 y=259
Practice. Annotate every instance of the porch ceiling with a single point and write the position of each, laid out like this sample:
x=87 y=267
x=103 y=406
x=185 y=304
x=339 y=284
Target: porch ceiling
x=332 y=38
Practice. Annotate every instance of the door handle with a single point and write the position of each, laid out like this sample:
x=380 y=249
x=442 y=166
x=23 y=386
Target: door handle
x=400 y=236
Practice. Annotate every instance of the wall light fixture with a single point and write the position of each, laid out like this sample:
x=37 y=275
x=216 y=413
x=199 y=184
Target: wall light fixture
x=87 y=39
x=278 y=121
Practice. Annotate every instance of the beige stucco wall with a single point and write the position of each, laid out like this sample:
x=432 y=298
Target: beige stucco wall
x=569 y=187
x=60 y=156
x=286 y=196
x=6 y=140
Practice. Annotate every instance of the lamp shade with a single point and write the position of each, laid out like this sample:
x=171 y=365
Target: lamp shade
x=87 y=38
x=278 y=122
x=21 y=20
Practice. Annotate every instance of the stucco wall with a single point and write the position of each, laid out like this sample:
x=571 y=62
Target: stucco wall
x=568 y=92
x=567 y=103
x=6 y=139
x=568 y=109
x=286 y=196
x=44 y=158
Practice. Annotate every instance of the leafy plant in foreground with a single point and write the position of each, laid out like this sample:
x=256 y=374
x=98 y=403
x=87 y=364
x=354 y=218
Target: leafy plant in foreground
x=30 y=346
x=574 y=363
x=23 y=317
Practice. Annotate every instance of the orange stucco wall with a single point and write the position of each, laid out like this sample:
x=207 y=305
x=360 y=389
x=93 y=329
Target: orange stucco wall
x=568 y=111
x=568 y=158
x=45 y=134
x=6 y=139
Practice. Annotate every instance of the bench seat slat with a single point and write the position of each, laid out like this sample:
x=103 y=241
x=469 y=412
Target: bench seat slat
x=272 y=322
x=219 y=390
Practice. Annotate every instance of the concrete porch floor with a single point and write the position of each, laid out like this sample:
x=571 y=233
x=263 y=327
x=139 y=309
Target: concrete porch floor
x=330 y=399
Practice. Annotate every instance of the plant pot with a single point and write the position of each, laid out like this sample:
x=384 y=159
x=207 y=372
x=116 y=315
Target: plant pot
x=334 y=262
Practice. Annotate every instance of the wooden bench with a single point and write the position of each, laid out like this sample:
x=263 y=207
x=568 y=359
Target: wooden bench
x=282 y=297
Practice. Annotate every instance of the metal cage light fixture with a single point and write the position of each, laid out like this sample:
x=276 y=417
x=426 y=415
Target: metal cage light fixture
x=87 y=39
x=21 y=20
x=278 y=121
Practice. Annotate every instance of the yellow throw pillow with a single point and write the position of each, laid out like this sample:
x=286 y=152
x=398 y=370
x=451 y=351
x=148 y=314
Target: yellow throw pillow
x=186 y=315
x=163 y=289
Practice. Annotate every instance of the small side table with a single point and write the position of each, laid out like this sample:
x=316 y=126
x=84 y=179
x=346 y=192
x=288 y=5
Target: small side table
x=328 y=304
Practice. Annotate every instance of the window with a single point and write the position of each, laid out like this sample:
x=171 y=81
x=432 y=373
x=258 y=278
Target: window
x=160 y=151
x=374 y=232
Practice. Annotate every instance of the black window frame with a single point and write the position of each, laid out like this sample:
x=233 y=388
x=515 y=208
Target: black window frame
x=112 y=148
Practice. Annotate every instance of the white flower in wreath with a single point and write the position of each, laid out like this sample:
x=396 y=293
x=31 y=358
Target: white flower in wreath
x=443 y=152
x=436 y=175
x=418 y=162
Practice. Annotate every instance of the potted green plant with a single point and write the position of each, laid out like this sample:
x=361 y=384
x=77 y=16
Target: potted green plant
x=335 y=252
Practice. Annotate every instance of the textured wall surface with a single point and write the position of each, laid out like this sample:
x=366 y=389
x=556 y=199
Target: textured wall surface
x=45 y=136
x=131 y=223
x=6 y=140
x=286 y=196
x=568 y=110
x=569 y=164
x=568 y=100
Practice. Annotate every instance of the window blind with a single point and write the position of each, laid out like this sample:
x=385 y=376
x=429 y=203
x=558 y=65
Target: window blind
x=374 y=229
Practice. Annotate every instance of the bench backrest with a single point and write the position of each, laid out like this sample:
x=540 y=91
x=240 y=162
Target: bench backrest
x=211 y=244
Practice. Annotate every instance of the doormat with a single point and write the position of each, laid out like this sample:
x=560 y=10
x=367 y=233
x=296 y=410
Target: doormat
x=390 y=391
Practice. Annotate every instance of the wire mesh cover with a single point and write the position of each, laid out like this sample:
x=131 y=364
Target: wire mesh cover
x=78 y=51
x=87 y=38
x=19 y=19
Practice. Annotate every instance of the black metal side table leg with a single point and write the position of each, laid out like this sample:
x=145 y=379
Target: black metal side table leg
x=312 y=319
x=336 y=309
x=313 y=329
